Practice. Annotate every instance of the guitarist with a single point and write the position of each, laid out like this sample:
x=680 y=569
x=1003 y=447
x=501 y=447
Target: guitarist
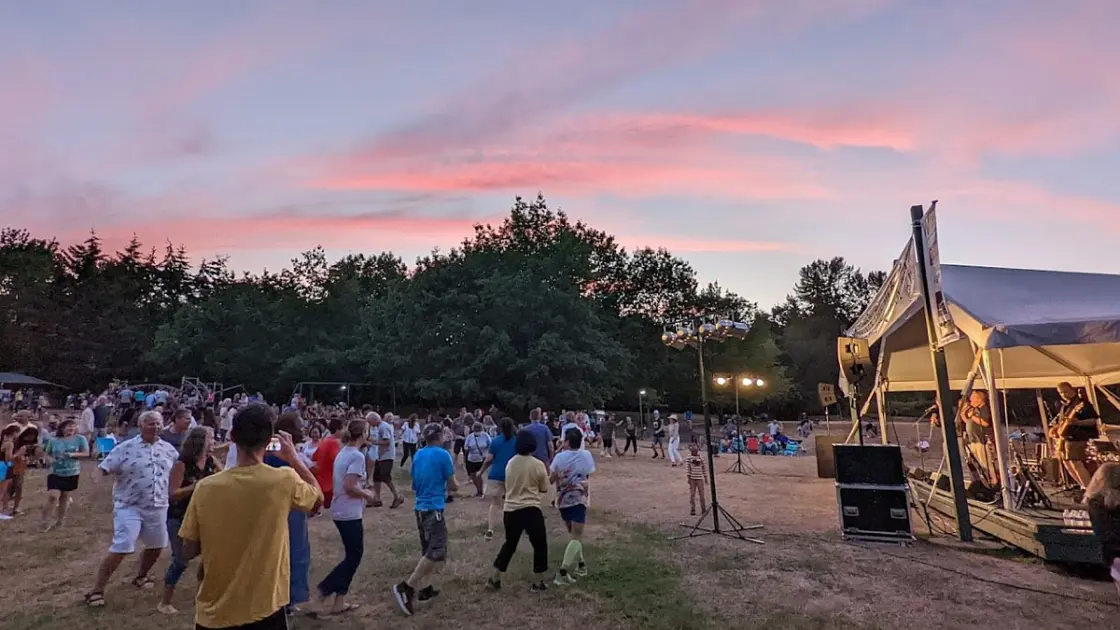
x=977 y=417
x=1076 y=425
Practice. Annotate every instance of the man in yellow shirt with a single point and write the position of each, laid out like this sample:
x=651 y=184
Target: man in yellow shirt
x=238 y=521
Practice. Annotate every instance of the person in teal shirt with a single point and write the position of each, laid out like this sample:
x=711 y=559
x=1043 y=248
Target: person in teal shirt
x=66 y=469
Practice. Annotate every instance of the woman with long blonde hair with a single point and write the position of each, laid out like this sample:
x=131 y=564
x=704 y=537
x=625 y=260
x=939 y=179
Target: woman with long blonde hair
x=1103 y=500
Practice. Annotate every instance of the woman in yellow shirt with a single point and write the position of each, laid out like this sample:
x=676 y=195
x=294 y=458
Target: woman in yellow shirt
x=526 y=484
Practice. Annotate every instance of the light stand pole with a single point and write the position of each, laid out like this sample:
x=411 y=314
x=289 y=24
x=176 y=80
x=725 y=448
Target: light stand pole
x=641 y=411
x=695 y=337
x=738 y=467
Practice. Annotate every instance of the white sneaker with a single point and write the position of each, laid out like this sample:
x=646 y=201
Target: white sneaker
x=167 y=609
x=5 y=517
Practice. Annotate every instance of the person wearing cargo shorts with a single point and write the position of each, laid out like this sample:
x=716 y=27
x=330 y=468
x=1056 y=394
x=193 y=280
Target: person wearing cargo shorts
x=433 y=476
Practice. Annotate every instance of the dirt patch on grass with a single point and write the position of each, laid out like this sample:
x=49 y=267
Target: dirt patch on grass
x=803 y=577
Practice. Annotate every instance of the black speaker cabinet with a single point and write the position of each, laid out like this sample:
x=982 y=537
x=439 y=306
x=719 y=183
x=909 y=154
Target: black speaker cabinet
x=872 y=464
x=874 y=513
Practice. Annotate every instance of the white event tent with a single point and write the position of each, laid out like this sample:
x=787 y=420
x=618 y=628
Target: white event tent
x=1019 y=329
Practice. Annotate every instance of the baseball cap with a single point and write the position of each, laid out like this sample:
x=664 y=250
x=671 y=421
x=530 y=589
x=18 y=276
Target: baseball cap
x=433 y=432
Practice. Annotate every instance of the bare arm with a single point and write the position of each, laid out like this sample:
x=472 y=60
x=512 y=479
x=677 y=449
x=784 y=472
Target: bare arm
x=353 y=487
x=289 y=454
x=175 y=482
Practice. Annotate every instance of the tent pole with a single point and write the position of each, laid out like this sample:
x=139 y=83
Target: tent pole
x=1112 y=398
x=881 y=368
x=998 y=427
x=941 y=374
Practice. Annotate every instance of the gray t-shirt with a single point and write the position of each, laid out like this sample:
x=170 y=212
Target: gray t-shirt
x=384 y=431
x=344 y=507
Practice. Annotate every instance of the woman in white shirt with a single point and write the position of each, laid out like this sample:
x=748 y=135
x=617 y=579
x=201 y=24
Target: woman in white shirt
x=675 y=441
x=477 y=447
x=410 y=435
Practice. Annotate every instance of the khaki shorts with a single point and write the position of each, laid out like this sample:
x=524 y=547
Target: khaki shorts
x=495 y=488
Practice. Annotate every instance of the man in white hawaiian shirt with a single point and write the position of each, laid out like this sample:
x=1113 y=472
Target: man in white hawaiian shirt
x=141 y=469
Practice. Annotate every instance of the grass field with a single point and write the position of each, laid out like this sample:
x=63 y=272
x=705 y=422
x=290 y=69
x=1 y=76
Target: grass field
x=803 y=577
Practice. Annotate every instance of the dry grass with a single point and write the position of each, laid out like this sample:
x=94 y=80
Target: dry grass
x=804 y=577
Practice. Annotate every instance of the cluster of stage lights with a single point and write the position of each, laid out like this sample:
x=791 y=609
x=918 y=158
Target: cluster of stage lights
x=746 y=381
x=692 y=336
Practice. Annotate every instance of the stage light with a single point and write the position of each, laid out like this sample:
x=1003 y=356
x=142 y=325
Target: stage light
x=709 y=332
x=759 y=382
x=721 y=381
x=747 y=382
x=642 y=393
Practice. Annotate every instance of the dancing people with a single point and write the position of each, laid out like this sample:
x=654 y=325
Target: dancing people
x=347 y=509
x=383 y=453
x=238 y=521
x=571 y=470
x=195 y=464
x=526 y=484
x=477 y=448
x=502 y=449
x=631 y=437
x=66 y=470
x=675 y=441
x=433 y=478
x=141 y=470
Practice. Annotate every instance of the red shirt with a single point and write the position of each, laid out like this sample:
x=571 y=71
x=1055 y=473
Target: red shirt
x=324 y=457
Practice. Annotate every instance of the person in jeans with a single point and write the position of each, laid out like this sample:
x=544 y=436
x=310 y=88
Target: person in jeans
x=195 y=464
x=299 y=538
x=433 y=477
x=347 y=509
x=238 y=521
x=526 y=483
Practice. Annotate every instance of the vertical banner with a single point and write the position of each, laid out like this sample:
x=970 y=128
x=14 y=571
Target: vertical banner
x=947 y=331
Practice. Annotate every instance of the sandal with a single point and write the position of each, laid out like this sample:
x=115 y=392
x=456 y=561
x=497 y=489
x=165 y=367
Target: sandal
x=145 y=582
x=95 y=600
x=345 y=609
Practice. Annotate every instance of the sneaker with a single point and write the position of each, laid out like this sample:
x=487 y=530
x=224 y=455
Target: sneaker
x=538 y=587
x=397 y=502
x=692 y=512
x=489 y=535
x=375 y=504
x=581 y=570
x=5 y=517
x=563 y=579
x=167 y=609
x=404 y=595
x=491 y=585
x=427 y=593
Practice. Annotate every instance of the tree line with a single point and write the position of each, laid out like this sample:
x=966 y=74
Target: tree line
x=538 y=310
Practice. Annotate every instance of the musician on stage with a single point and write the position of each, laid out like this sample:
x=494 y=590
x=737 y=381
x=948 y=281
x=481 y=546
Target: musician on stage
x=977 y=416
x=1077 y=423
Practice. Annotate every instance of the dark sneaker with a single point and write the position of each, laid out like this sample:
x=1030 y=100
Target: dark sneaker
x=538 y=587
x=491 y=585
x=427 y=593
x=404 y=595
x=397 y=502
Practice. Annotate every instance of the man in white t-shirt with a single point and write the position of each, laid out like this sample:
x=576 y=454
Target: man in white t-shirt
x=382 y=453
x=774 y=428
x=573 y=423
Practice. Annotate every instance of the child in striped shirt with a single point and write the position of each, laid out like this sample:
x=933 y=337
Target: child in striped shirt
x=697 y=473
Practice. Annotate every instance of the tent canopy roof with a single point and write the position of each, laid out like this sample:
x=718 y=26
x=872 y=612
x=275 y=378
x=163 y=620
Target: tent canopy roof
x=11 y=378
x=1043 y=327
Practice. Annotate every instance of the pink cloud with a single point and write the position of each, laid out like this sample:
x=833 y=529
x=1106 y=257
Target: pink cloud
x=718 y=176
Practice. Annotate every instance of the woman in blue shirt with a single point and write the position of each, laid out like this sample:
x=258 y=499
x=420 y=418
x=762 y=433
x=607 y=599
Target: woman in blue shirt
x=502 y=449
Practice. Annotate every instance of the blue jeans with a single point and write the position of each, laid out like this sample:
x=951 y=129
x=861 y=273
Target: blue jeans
x=178 y=565
x=300 y=556
x=338 y=580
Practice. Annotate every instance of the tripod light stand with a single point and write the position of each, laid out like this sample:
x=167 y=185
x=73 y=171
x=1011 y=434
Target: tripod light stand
x=747 y=381
x=694 y=333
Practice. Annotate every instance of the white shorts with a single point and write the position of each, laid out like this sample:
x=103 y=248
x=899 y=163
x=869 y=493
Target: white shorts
x=132 y=524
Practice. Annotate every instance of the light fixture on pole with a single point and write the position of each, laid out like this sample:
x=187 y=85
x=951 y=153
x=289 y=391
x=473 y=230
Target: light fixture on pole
x=695 y=333
x=745 y=381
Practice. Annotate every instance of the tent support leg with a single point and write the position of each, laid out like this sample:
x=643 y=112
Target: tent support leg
x=1001 y=434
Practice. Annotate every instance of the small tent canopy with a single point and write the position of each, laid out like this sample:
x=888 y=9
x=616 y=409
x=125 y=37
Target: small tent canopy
x=1040 y=328
x=23 y=380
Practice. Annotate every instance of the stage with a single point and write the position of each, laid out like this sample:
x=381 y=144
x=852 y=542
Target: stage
x=1040 y=532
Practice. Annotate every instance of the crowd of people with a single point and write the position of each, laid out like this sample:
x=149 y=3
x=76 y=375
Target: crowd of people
x=234 y=482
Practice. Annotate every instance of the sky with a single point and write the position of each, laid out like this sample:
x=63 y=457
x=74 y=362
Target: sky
x=746 y=136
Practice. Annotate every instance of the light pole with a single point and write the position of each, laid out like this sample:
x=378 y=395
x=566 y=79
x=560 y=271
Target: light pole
x=641 y=410
x=694 y=333
x=746 y=381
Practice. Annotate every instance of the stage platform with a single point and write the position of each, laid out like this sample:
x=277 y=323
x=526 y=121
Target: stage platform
x=1040 y=532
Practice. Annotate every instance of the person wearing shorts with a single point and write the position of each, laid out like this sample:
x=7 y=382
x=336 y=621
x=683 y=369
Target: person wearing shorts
x=382 y=452
x=65 y=470
x=433 y=476
x=478 y=447
x=141 y=469
x=571 y=470
x=502 y=449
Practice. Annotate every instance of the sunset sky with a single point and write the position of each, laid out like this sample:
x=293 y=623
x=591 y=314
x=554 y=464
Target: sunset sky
x=746 y=136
